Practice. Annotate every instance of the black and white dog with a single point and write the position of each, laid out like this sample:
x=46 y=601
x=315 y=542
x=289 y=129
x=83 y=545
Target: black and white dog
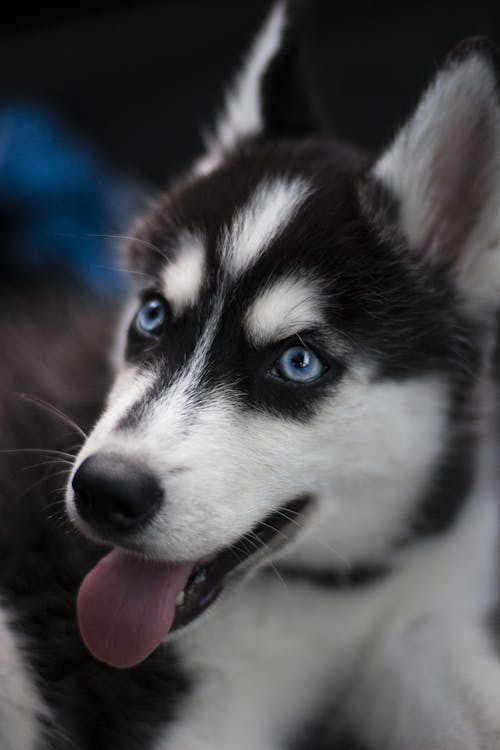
x=299 y=441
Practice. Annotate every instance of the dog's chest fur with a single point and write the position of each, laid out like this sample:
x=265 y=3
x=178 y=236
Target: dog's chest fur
x=282 y=652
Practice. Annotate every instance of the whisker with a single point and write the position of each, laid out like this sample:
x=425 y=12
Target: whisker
x=55 y=504
x=60 y=520
x=123 y=270
x=49 y=462
x=129 y=239
x=46 y=451
x=276 y=531
x=57 y=489
x=291 y=515
x=58 y=473
x=342 y=560
x=249 y=537
x=36 y=484
x=238 y=556
x=51 y=409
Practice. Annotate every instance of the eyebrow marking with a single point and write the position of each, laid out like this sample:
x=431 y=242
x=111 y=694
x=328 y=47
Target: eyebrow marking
x=183 y=276
x=256 y=224
x=283 y=309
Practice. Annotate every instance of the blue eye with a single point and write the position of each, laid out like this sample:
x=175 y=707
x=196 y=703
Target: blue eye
x=151 y=317
x=299 y=365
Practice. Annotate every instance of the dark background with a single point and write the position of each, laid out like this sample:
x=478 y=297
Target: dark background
x=140 y=80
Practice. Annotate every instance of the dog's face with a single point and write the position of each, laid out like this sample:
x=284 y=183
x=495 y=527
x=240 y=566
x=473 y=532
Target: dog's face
x=300 y=351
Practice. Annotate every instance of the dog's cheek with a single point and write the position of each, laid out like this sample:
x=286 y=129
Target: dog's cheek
x=376 y=446
x=235 y=467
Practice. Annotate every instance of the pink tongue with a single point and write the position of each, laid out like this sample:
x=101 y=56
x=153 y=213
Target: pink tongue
x=126 y=606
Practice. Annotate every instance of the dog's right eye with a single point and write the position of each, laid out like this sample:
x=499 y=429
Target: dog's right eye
x=150 y=319
x=300 y=365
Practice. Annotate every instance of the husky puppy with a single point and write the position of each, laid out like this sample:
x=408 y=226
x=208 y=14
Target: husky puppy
x=295 y=470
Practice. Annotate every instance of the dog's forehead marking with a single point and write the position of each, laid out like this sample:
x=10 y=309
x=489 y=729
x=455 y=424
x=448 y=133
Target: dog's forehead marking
x=287 y=307
x=182 y=279
x=256 y=224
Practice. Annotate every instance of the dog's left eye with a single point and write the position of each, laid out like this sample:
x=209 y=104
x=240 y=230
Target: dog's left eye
x=150 y=319
x=299 y=365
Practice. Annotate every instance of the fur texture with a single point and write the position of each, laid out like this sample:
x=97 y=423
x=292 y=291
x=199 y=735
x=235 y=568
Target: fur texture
x=368 y=621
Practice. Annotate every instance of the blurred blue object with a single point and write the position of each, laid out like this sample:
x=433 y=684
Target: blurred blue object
x=57 y=201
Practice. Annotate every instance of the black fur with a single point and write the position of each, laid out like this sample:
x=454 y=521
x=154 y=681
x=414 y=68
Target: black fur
x=315 y=737
x=401 y=316
x=289 y=107
x=48 y=332
x=353 y=577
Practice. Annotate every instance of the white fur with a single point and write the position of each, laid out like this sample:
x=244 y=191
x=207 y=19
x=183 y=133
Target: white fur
x=444 y=167
x=174 y=406
x=242 y=116
x=20 y=707
x=254 y=226
x=288 y=306
x=407 y=661
x=183 y=276
x=394 y=430
x=129 y=387
x=433 y=655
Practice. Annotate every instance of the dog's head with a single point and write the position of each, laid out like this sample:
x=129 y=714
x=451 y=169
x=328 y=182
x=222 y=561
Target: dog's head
x=298 y=370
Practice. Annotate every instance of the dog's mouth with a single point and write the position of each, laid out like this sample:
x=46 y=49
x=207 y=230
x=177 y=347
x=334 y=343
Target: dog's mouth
x=128 y=604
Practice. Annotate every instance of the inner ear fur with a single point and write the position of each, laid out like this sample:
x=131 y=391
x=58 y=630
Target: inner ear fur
x=443 y=170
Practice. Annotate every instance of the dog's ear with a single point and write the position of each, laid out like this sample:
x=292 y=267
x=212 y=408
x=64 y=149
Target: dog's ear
x=269 y=98
x=443 y=169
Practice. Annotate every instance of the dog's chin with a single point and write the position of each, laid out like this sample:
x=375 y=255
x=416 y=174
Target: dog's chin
x=213 y=574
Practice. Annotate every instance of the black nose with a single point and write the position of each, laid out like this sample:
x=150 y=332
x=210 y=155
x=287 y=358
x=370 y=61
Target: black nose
x=113 y=494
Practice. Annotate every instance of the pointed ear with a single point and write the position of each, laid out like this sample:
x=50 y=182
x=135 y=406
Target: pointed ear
x=268 y=98
x=443 y=169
